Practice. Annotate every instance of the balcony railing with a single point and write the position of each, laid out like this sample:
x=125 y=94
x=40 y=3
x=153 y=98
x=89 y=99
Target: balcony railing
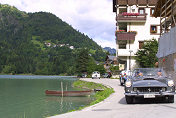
x=125 y=35
x=136 y=2
x=126 y=52
x=131 y=17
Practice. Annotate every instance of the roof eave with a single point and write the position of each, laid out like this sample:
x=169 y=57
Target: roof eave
x=158 y=7
x=114 y=4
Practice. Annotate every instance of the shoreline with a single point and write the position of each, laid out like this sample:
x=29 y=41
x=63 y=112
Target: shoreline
x=36 y=75
x=30 y=74
x=107 y=91
x=93 y=103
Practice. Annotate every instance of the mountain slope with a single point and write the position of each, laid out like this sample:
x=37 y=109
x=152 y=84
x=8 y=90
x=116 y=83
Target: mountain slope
x=49 y=27
x=40 y=43
x=111 y=51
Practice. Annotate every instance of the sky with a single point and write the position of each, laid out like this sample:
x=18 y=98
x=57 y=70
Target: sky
x=94 y=18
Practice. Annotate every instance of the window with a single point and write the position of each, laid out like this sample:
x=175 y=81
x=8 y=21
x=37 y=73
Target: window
x=122 y=10
x=141 y=43
x=153 y=29
x=141 y=11
x=152 y=11
x=122 y=44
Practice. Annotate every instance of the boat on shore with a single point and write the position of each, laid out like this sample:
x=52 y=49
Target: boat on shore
x=68 y=93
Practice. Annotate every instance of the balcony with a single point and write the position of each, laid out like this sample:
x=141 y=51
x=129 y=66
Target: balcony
x=126 y=52
x=125 y=35
x=131 y=17
x=136 y=2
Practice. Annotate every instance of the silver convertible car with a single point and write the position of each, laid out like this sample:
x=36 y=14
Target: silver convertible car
x=149 y=83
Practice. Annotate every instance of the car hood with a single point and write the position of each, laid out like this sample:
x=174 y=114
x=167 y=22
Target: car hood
x=149 y=83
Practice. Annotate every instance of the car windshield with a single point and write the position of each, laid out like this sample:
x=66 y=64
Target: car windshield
x=149 y=72
x=96 y=72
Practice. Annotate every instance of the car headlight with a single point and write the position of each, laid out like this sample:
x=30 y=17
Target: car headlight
x=128 y=83
x=170 y=83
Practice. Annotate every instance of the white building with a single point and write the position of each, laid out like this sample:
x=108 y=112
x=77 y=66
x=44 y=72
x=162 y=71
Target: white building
x=135 y=25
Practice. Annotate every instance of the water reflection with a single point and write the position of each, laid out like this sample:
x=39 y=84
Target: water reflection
x=25 y=96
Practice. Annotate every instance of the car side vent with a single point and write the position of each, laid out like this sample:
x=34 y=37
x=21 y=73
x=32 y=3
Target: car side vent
x=149 y=79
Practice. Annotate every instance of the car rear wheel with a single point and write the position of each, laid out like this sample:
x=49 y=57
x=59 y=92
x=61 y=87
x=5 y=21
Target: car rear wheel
x=171 y=99
x=129 y=99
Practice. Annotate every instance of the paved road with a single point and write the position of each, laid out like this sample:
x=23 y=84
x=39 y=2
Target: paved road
x=115 y=106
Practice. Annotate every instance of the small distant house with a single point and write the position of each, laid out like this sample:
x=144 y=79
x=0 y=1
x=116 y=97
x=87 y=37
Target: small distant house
x=61 y=45
x=110 y=60
x=97 y=63
x=48 y=44
x=72 y=47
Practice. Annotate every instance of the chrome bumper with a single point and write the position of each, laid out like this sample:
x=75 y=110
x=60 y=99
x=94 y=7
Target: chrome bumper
x=156 y=94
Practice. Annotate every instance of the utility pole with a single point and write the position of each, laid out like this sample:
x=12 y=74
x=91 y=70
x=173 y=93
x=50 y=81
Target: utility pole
x=117 y=44
x=130 y=60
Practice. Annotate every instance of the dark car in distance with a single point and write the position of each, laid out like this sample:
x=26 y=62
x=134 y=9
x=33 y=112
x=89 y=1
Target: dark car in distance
x=149 y=83
x=106 y=75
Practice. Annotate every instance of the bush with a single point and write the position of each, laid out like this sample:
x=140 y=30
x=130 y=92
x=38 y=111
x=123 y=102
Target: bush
x=8 y=69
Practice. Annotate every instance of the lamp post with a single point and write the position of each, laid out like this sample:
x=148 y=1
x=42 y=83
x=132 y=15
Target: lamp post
x=130 y=60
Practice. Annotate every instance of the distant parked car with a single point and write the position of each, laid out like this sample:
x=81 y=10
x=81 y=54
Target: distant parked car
x=96 y=74
x=124 y=76
x=84 y=75
x=106 y=75
x=149 y=83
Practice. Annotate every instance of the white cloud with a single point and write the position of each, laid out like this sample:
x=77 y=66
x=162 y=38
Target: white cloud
x=92 y=17
x=106 y=43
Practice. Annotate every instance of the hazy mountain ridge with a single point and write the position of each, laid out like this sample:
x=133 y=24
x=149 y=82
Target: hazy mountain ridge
x=112 y=51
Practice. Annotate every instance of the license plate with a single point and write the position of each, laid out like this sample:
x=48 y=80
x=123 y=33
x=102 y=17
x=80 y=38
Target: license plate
x=149 y=96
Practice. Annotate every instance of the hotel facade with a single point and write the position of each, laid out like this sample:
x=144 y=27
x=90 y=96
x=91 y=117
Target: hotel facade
x=135 y=25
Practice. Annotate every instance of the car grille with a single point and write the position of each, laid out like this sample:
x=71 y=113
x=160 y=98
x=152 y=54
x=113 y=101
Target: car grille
x=149 y=89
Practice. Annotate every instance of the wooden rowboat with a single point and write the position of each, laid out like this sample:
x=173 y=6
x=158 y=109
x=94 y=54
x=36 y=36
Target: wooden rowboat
x=68 y=93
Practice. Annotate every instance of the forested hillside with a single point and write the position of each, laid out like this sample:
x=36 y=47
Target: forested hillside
x=40 y=43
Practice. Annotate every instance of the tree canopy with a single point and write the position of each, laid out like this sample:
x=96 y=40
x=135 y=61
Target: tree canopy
x=147 y=56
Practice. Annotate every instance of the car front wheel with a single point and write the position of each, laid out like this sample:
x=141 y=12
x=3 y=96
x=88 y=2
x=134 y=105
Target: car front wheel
x=129 y=99
x=171 y=99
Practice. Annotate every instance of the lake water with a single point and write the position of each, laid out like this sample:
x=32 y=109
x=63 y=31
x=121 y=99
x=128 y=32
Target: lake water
x=24 y=96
